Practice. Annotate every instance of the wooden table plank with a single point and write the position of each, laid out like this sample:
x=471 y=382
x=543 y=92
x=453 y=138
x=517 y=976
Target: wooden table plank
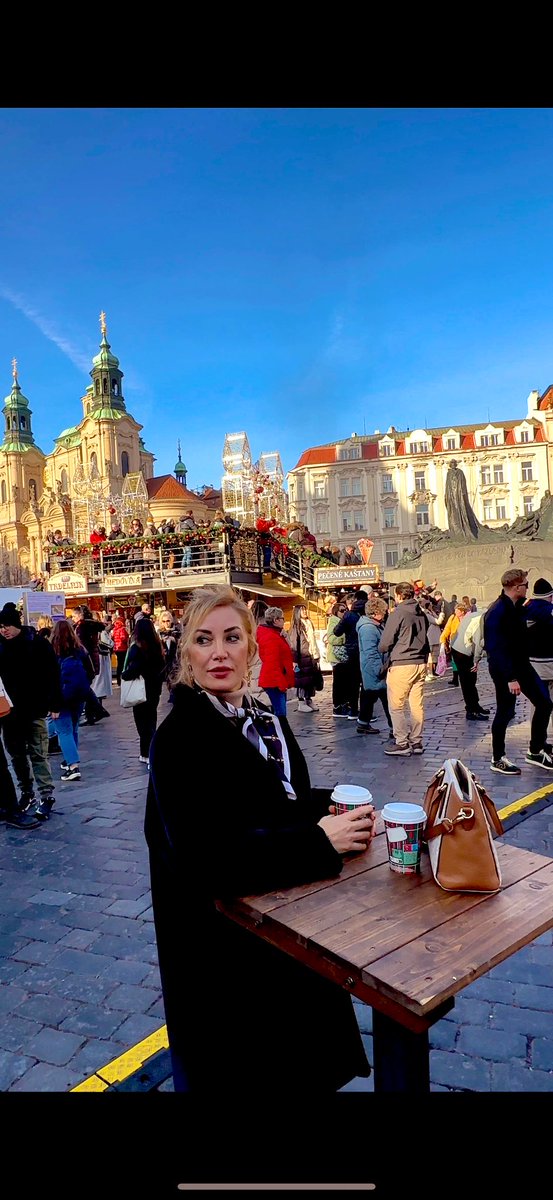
x=401 y=943
x=428 y=970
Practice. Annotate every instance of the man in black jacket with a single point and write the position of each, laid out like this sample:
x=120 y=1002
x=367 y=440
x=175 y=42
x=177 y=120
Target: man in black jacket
x=352 y=675
x=31 y=676
x=506 y=645
x=405 y=641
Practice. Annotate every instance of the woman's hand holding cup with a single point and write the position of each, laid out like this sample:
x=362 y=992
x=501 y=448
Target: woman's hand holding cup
x=350 y=832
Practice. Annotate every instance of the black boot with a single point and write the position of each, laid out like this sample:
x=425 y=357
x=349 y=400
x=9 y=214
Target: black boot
x=19 y=819
x=454 y=682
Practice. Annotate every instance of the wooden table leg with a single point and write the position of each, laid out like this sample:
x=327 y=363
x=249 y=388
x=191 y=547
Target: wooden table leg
x=401 y=1058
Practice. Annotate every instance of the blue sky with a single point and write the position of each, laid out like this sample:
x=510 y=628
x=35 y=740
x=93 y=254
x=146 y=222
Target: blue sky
x=296 y=273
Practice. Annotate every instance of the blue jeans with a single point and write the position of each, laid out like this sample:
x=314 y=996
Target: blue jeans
x=67 y=729
x=278 y=701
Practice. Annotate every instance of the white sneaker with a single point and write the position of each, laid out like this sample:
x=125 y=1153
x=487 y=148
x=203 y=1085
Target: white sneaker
x=302 y=707
x=429 y=679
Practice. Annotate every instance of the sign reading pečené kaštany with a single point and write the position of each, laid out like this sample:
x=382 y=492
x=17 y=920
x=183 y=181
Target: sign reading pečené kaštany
x=329 y=576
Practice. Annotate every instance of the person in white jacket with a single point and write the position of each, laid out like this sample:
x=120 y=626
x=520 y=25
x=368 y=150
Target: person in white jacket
x=467 y=648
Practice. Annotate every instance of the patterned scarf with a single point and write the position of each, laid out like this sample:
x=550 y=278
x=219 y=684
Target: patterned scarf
x=263 y=730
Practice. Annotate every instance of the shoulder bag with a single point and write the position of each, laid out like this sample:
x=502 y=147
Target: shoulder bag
x=461 y=821
x=5 y=702
x=131 y=691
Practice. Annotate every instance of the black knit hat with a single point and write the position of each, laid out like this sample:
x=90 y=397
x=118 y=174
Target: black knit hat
x=10 y=615
x=543 y=588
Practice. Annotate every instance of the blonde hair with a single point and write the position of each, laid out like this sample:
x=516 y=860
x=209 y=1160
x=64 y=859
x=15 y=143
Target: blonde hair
x=203 y=602
x=45 y=622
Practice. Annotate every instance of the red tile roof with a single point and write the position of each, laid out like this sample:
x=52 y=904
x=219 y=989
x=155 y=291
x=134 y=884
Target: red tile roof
x=166 y=487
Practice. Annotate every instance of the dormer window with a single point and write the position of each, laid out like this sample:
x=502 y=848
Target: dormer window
x=450 y=443
x=489 y=439
x=418 y=447
x=386 y=449
x=526 y=435
x=348 y=452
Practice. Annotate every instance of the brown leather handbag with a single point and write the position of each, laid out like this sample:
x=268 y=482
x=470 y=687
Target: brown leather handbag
x=460 y=826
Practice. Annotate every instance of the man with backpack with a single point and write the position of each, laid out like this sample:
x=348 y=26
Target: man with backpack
x=31 y=676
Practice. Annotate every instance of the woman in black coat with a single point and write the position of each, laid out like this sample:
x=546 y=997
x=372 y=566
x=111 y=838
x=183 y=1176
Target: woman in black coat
x=145 y=657
x=239 y=817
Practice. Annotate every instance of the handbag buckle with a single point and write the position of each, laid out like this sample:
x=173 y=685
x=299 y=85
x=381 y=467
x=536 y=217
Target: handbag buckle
x=464 y=814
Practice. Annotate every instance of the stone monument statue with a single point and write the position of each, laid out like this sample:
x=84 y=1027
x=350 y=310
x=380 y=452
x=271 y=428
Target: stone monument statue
x=462 y=520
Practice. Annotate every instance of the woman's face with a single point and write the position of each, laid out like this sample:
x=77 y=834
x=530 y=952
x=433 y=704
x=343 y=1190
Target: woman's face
x=218 y=654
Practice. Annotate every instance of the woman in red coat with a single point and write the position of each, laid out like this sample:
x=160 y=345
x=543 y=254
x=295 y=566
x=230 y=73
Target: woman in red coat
x=277 y=665
x=120 y=644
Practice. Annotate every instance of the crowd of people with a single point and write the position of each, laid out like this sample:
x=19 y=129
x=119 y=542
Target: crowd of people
x=55 y=678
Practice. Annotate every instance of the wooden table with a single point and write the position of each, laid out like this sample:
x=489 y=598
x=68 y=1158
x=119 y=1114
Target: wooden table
x=401 y=944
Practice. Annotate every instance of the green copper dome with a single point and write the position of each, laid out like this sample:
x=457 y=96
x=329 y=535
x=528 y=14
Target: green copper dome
x=105 y=358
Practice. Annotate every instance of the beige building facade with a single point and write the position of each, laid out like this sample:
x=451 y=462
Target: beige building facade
x=390 y=487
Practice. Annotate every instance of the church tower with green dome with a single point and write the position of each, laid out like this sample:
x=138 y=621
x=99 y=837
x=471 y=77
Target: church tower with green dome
x=104 y=396
x=180 y=469
x=21 y=474
x=18 y=434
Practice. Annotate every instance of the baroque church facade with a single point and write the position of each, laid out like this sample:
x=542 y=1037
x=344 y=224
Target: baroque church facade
x=92 y=458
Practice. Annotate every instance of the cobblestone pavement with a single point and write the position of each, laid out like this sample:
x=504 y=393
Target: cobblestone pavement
x=79 y=982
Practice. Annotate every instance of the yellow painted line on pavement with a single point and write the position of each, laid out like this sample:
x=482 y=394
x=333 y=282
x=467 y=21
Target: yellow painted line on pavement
x=524 y=802
x=135 y=1058
x=120 y=1068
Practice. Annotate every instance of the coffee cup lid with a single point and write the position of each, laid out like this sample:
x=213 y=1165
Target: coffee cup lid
x=404 y=814
x=350 y=793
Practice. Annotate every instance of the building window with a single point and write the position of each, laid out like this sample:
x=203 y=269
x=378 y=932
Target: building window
x=345 y=487
x=420 y=481
x=498 y=473
x=489 y=439
x=93 y=461
x=347 y=522
x=291 y=493
x=386 y=450
x=392 y=556
x=528 y=506
x=418 y=448
x=389 y=518
x=500 y=512
x=485 y=476
x=422 y=515
x=356 y=487
x=321 y=522
x=124 y=463
x=64 y=481
x=3 y=492
x=450 y=444
x=358 y=520
x=22 y=423
x=319 y=490
x=525 y=435
x=114 y=387
x=487 y=507
x=527 y=475
x=349 y=452
x=301 y=489
x=97 y=387
x=387 y=483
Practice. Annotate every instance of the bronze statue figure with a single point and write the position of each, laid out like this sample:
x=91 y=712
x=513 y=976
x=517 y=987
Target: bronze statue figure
x=461 y=517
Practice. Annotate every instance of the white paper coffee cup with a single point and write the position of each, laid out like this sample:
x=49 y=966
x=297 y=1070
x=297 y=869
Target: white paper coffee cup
x=404 y=824
x=347 y=796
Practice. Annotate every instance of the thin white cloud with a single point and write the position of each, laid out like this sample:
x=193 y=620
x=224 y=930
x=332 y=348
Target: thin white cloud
x=46 y=327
